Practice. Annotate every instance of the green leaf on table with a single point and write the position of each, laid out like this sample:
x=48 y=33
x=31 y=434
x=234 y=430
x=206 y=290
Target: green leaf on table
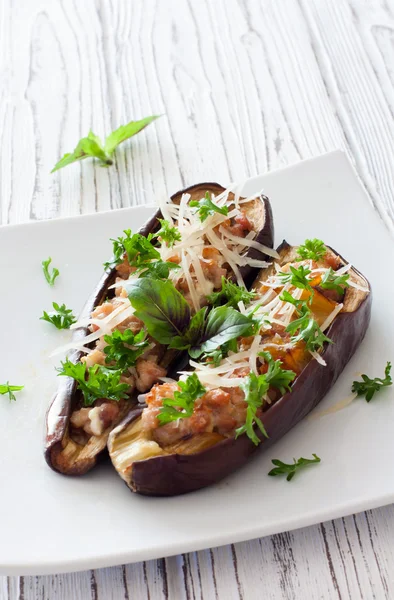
x=290 y=470
x=6 y=388
x=50 y=277
x=92 y=146
x=368 y=387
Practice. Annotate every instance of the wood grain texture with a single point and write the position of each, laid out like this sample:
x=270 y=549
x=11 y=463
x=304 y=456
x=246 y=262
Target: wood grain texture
x=246 y=86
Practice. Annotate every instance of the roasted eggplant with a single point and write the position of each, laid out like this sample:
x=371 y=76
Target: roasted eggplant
x=163 y=458
x=71 y=447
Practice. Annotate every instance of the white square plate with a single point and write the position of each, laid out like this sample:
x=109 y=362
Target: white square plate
x=50 y=523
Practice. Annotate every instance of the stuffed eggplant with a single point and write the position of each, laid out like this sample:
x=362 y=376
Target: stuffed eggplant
x=200 y=237
x=309 y=313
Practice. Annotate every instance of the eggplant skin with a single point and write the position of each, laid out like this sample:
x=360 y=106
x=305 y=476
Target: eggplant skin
x=64 y=400
x=175 y=474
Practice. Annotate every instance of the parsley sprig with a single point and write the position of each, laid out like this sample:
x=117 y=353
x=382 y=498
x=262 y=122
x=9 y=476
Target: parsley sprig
x=230 y=295
x=205 y=207
x=95 y=382
x=191 y=389
x=124 y=348
x=304 y=328
x=290 y=470
x=141 y=255
x=255 y=387
x=297 y=276
x=312 y=249
x=308 y=330
x=91 y=145
x=6 y=388
x=331 y=281
x=167 y=233
x=62 y=318
x=50 y=277
x=368 y=387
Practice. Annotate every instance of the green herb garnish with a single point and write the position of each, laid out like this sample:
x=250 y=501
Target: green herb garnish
x=167 y=233
x=50 y=277
x=276 y=376
x=230 y=295
x=298 y=277
x=254 y=387
x=308 y=330
x=124 y=348
x=167 y=318
x=93 y=146
x=290 y=470
x=215 y=357
x=95 y=382
x=306 y=326
x=141 y=254
x=191 y=389
x=368 y=387
x=6 y=388
x=312 y=249
x=63 y=317
x=331 y=281
x=205 y=207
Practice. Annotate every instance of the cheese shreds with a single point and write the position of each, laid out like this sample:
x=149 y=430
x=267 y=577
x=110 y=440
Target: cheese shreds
x=331 y=317
x=248 y=242
x=163 y=206
x=190 y=283
x=92 y=337
x=317 y=357
x=357 y=286
x=343 y=269
x=206 y=286
x=253 y=354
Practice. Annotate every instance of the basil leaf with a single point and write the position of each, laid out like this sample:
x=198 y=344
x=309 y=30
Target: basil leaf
x=223 y=324
x=193 y=334
x=161 y=307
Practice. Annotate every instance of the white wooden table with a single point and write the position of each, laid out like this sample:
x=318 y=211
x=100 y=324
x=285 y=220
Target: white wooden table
x=246 y=86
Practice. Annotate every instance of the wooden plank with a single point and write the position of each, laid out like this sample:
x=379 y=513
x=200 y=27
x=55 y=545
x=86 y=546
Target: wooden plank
x=245 y=87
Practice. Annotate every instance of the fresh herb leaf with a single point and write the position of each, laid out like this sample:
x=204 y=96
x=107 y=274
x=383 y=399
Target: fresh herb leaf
x=298 y=277
x=282 y=468
x=205 y=207
x=312 y=335
x=167 y=233
x=298 y=303
x=50 y=277
x=276 y=376
x=138 y=249
x=230 y=295
x=164 y=311
x=223 y=324
x=157 y=269
x=125 y=132
x=95 y=382
x=62 y=318
x=254 y=387
x=191 y=389
x=141 y=255
x=93 y=146
x=368 y=387
x=306 y=326
x=216 y=356
x=124 y=348
x=6 y=388
x=312 y=249
x=331 y=281
x=193 y=333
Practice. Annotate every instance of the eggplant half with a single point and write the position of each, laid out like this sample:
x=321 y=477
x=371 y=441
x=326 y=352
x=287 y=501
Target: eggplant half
x=72 y=455
x=158 y=468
